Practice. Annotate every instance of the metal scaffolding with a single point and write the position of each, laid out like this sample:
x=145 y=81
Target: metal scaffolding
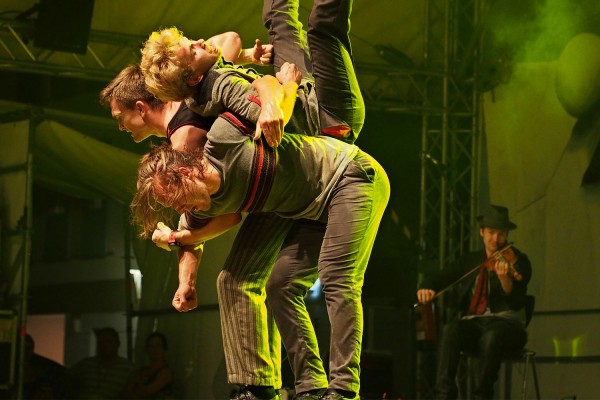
x=450 y=148
x=450 y=137
x=18 y=53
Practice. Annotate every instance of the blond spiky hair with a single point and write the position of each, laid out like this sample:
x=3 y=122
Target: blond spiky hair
x=164 y=71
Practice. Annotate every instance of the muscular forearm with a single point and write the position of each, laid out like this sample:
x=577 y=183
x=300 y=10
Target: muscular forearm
x=185 y=298
x=290 y=93
x=274 y=94
x=189 y=259
x=245 y=56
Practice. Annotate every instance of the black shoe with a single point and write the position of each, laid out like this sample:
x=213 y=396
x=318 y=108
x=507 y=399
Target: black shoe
x=316 y=394
x=245 y=394
x=333 y=395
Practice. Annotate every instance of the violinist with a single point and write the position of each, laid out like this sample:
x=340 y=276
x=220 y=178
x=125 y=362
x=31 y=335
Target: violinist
x=491 y=304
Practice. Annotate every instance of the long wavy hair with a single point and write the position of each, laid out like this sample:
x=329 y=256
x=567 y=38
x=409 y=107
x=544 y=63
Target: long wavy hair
x=159 y=175
x=166 y=74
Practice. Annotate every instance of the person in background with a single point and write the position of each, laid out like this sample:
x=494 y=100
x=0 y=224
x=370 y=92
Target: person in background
x=43 y=377
x=491 y=302
x=104 y=375
x=155 y=380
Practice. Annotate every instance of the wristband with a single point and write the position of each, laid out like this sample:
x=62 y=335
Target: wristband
x=172 y=241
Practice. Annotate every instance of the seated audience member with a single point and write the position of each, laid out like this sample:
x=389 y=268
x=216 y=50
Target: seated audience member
x=154 y=381
x=104 y=375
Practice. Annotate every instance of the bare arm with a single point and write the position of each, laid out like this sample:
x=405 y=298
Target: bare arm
x=186 y=298
x=277 y=102
x=191 y=237
x=162 y=379
x=138 y=388
x=188 y=138
x=230 y=44
x=215 y=227
x=260 y=54
x=232 y=51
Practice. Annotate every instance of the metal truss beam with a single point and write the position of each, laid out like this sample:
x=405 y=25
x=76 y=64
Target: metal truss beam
x=450 y=139
x=385 y=87
x=18 y=53
x=450 y=145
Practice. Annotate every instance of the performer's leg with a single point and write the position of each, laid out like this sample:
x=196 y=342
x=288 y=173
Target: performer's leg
x=287 y=35
x=459 y=335
x=293 y=275
x=341 y=105
x=251 y=348
x=354 y=214
x=499 y=337
x=289 y=45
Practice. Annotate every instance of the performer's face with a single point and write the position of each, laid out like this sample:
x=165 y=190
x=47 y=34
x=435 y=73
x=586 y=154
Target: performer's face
x=190 y=193
x=131 y=121
x=199 y=55
x=493 y=239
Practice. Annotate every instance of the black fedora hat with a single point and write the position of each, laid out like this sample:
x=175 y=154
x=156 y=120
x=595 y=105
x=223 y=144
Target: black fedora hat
x=495 y=217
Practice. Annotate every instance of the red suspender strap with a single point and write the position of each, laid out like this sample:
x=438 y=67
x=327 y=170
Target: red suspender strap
x=263 y=167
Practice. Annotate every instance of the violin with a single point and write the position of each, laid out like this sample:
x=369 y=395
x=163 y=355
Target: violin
x=504 y=254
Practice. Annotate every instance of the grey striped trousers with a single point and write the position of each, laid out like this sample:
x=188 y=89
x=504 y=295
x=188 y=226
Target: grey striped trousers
x=250 y=338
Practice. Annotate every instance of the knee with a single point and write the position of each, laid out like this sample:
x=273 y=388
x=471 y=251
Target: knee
x=274 y=286
x=280 y=282
x=490 y=342
x=281 y=286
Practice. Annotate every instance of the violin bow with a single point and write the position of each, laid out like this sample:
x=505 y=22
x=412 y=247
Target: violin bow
x=462 y=278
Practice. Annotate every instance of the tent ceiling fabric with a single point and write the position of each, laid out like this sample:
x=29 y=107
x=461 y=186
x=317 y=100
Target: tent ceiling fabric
x=398 y=24
x=81 y=165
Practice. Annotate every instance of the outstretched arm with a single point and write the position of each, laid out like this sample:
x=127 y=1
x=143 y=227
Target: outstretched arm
x=260 y=54
x=191 y=237
x=230 y=44
x=190 y=255
x=232 y=51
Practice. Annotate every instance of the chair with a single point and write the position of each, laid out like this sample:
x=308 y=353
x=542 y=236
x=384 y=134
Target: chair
x=525 y=356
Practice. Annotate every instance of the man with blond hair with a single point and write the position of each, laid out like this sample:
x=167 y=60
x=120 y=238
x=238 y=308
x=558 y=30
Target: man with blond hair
x=177 y=68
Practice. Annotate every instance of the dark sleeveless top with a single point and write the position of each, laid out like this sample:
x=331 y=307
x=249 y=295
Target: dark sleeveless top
x=185 y=116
